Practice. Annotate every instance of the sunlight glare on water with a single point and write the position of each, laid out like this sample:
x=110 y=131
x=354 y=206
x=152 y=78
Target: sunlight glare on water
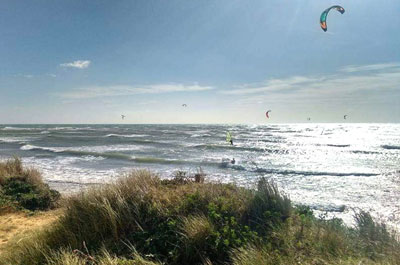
x=333 y=168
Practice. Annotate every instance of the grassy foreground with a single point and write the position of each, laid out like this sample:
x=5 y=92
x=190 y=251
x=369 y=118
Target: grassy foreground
x=143 y=220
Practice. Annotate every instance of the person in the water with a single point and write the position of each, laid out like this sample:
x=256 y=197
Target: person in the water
x=233 y=161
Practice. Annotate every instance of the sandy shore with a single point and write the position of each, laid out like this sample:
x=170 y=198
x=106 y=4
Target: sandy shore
x=18 y=223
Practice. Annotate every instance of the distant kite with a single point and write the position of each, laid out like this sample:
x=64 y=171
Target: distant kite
x=345 y=116
x=308 y=119
x=324 y=15
x=184 y=105
x=123 y=116
x=266 y=113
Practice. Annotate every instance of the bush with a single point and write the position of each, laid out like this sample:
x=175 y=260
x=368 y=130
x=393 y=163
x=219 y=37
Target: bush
x=24 y=188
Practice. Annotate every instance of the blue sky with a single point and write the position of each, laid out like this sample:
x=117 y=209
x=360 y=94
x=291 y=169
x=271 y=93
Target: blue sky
x=84 y=61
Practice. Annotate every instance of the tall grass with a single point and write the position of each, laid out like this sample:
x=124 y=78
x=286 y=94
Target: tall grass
x=141 y=219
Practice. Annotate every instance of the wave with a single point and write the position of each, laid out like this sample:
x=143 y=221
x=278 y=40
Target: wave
x=391 y=147
x=14 y=140
x=71 y=128
x=289 y=131
x=231 y=147
x=338 y=145
x=9 y=128
x=73 y=182
x=77 y=152
x=125 y=136
x=328 y=207
x=312 y=173
x=122 y=156
x=34 y=147
x=364 y=152
x=200 y=135
x=110 y=155
x=155 y=160
x=116 y=139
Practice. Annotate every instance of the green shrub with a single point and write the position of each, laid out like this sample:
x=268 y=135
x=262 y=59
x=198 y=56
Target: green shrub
x=24 y=187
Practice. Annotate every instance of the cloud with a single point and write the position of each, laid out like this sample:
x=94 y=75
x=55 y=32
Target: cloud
x=108 y=91
x=370 y=67
x=356 y=85
x=24 y=75
x=77 y=64
x=272 y=85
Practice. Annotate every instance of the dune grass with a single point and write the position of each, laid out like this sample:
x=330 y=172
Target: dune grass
x=24 y=188
x=141 y=219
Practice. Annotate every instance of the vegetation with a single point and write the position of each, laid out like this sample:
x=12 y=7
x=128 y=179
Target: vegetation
x=24 y=188
x=141 y=219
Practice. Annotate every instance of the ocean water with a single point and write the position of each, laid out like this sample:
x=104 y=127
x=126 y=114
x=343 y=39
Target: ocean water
x=334 y=168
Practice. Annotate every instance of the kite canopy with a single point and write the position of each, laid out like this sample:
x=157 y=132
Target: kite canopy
x=266 y=113
x=345 y=116
x=324 y=15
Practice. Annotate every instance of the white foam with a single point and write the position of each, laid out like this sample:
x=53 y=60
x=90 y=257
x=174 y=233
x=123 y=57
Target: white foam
x=126 y=136
x=34 y=147
x=14 y=139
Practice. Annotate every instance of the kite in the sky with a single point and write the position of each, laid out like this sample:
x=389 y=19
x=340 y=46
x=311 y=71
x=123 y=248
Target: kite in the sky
x=308 y=119
x=324 y=15
x=123 y=116
x=184 y=105
x=345 y=116
x=266 y=113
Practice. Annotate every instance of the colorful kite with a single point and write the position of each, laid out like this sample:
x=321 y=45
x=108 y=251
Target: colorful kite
x=324 y=15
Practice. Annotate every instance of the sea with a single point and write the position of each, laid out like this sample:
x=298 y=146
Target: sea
x=336 y=169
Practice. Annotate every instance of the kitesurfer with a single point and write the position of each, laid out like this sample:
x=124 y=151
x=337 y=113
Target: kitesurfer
x=229 y=138
x=233 y=161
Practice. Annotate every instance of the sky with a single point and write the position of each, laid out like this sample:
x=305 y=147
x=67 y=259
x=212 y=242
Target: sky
x=229 y=61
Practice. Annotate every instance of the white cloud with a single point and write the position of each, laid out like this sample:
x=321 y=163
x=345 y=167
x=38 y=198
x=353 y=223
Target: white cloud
x=272 y=85
x=355 y=85
x=107 y=91
x=24 y=75
x=81 y=64
x=369 y=67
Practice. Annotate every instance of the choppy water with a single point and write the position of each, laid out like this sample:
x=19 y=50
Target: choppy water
x=331 y=167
